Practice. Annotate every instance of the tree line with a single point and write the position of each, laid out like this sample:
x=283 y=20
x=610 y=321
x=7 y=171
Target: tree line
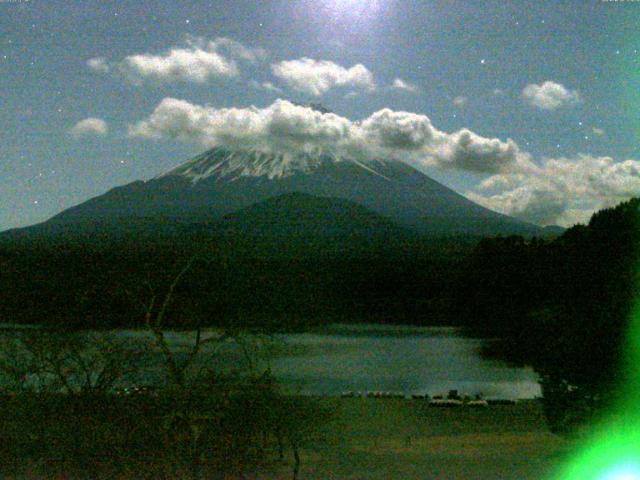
x=560 y=305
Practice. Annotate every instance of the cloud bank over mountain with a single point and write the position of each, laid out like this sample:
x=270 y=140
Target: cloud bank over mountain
x=562 y=190
x=283 y=125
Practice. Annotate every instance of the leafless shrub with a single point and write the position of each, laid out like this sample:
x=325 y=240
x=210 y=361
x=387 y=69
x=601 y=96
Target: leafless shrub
x=75 y=363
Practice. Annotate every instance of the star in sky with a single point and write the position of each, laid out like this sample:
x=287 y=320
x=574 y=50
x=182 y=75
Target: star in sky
x=353 y=61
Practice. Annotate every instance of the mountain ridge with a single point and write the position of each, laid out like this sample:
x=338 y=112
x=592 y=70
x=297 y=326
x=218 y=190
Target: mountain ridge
x=223 y=180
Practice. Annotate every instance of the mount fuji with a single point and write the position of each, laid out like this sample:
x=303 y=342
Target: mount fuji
x=225 y=180
x=302 y=237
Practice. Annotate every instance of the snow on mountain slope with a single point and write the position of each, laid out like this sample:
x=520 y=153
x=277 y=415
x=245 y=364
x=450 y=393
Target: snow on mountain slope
x=224 y=163
x=224 y=180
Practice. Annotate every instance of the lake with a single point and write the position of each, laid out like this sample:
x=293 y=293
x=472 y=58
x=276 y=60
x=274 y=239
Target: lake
x=358 y=358
x=408 y=360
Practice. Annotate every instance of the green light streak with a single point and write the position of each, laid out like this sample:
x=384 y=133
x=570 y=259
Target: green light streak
x=613 y=451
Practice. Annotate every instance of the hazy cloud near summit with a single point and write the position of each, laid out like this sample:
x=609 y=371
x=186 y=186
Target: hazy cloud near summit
x=282 y=125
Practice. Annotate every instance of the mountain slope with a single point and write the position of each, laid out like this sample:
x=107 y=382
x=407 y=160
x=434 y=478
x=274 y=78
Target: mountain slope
x=300 y=224
x=223 y=180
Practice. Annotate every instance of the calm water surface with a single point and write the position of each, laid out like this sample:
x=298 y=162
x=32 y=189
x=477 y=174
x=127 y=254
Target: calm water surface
x=409 y=360
x=339 y=358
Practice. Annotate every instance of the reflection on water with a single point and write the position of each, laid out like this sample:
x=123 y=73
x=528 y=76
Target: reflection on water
x=410 y=360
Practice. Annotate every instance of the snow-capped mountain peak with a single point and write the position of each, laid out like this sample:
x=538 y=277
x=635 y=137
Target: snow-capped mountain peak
x=231 y=164
x=224 y=180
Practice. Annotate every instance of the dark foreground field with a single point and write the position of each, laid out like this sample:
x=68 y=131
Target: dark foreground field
x=405 y=439
x=366 y=439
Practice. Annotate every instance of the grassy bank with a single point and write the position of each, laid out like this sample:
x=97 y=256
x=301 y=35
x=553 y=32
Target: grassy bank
x=406 y=439
x=365 y=439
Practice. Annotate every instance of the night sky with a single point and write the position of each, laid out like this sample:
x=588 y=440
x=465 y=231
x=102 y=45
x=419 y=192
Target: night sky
x=80 y=81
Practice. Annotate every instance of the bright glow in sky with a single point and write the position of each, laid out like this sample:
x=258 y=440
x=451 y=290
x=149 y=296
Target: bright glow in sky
x=355 y=16
x=355 y=7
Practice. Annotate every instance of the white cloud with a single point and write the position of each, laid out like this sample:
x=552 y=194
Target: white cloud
x=186 y=64
x=549 y=95
x=198 y=61
x=385 y=134
x=460 y=101
x=89 y=126
x=316 y=77
x=562 y=190
x=400 y=84
x=598 y=131
x=402 y=131
x=99 y=64
x=281 y=125
x=468 y=151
